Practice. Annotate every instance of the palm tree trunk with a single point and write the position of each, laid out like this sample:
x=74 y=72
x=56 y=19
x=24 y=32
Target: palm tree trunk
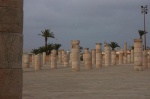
x=45 y=42
x=140 y=37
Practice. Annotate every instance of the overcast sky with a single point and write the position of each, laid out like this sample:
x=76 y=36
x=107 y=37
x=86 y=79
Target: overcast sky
x=89 y=21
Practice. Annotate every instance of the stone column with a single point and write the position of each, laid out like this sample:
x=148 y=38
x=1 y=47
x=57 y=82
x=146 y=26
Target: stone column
x=75 y=55
x=144 y=60
x=49 y=58
x=86 y=50
x=120 y=58
x=113 y=57
x=148 y=60
x=66 y=60
x=98 y=55
x=125 y=53
x=11 y=47
x=33 y=60
x=88 y=60
x=129 y=58
x=71 y=57
x=138 y=54
x=53 y=60
x=26 y=60
x=68 y=53
x=59 y=57
x=62 y=53
x=44 y=58
x=38 y=62
x=107 y=55
x=93 y=56
x=132 y=56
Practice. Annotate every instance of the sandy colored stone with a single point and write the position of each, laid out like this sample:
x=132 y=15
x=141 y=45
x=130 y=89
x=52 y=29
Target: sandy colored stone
x=11 y=83
x=132 y=56
x=38 y=62
x=11 y=50
x=86 y=50
x=53 y=60
x=125 y=53
x=88 y=60
x=113 y=57
x=26 y=61
x=98 y=55
x=66 y=60
x=62 y=53
x=98 y=47
x=129 y=58
x=70 y=57
x=144 y=60
x=138 y=54
x=75 y=55
x=33 y=60
x=59 y=57
x=120 y=57
x=44 y=58
x=148 y=61
x=107 y=55
x=94 y=56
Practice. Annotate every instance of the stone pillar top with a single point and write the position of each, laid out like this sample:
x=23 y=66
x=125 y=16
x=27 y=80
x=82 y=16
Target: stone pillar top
x=98 y=43
x=106 y=44
x=86 y=48
x=75 y=42
x=138 y=40
x=93 y=49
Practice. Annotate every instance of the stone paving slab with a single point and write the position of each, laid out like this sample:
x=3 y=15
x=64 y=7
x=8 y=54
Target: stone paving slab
x=114 y=82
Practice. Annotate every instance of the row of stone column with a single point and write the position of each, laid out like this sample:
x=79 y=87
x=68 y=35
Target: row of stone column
x=94 y=57
x=40 y=59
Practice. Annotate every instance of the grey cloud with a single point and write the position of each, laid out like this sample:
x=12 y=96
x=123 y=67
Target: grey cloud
x=90 y=21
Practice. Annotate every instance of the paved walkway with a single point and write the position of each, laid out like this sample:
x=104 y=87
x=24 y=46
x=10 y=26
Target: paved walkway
x=114 y=82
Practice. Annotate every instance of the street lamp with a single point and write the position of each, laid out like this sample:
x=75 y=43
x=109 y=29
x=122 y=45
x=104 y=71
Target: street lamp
x=144 y=10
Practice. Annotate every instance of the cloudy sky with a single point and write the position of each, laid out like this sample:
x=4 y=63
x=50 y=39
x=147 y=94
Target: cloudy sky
x=89 y=21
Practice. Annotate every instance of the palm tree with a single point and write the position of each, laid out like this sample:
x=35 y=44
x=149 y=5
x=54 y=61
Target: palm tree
x=35 y=51
x=42 y=49
x=47 y=34
x=141 y=33
x=56 y=46
x=113 y=45
x=49 y=48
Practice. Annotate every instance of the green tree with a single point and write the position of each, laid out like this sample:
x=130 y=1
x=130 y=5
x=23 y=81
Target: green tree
x=56 y=46
x=35 y=51
x=47 y=34
x=113 y=45
x=42 y=49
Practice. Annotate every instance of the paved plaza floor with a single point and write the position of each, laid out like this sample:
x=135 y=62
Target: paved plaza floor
x=114 y=82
